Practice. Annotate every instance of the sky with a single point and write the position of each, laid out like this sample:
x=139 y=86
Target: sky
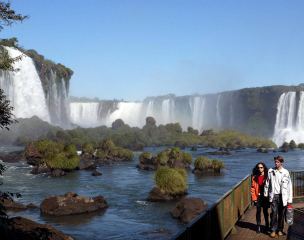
x=131 y=49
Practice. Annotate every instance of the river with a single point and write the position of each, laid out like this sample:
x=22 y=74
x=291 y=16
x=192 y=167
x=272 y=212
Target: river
x=125 y=188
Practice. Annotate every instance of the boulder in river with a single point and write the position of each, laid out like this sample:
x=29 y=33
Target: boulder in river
x=71 y=203
x=8 y=202
x=157 y=195
x=188 y=208
x=12 y=156
x=95 y=173
x=18 y=228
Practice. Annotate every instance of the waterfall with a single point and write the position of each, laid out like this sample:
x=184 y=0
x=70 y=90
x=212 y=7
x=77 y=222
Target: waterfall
x=129 y=112
x=24 y=89
x=218 y=111
x=167 y=111
x=289 y=123
x=85 y=114
x=197 y=105
x=57 y=100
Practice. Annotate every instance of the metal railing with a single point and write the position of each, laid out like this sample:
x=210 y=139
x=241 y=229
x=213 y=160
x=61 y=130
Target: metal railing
x=218 y=220
x=297 y=179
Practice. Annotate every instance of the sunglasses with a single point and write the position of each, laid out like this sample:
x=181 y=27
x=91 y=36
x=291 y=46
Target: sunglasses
x=260 y=167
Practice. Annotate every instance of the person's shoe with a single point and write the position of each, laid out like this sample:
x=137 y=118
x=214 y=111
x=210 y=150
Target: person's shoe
x=273 y=234
x=258 y=229
x=280 y=233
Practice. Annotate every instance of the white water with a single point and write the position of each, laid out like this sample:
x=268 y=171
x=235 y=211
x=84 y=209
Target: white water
x=218 y=111
x=197 y=105
x=85 y=114
x=24 y=89
x=289 y=120
x=167 y=112
x=129 y=112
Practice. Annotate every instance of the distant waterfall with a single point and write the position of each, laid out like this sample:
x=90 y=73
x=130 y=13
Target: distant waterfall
x=85 y=114
x=24 y=89
x=167 y=111
x=218 y=111
x=289 y=120
x=197 y=105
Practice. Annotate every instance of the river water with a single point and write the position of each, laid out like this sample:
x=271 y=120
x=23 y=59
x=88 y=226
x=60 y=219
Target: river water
x=125 y=188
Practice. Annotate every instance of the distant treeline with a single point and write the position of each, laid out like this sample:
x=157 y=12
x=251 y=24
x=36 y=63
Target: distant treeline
x=135 y=138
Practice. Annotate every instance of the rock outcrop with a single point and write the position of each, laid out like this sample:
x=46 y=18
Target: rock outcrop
x=188 y=208
x=18 y=228
x=71 y=203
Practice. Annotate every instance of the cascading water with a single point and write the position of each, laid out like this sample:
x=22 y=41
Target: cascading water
x=167 y=112
x=197 y=105
x=289 y=120
x=218 y=111
x=85 y=114
x=24 y=89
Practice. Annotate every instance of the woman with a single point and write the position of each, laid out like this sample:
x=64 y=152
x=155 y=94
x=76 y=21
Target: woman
x=259 y=176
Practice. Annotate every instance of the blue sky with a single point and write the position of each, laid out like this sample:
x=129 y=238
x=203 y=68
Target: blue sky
x=130 y=49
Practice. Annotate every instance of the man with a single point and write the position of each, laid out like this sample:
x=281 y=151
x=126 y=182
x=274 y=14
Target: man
x=278 y=187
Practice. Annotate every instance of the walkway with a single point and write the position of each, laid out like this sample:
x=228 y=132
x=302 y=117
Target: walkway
x=246 y=227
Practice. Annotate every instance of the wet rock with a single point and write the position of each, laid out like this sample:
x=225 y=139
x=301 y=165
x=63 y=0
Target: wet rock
x=188 y=208
x=39 y=169
x=157 y=195
x=58 y=173
x=86 y=164
x=32 y=155
x=262 y=150
x=12 y=157
x=71 y=203
x=11 y=205
x=147 y=162
x=18 y=228
x=96 y=173
x=224 y=152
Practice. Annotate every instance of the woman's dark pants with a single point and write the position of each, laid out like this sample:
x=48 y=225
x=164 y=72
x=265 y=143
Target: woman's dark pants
x=262 y=203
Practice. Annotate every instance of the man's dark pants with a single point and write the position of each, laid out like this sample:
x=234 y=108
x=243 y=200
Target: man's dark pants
x=277 y=213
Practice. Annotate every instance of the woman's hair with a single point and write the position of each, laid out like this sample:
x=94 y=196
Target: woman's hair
x=256 y=172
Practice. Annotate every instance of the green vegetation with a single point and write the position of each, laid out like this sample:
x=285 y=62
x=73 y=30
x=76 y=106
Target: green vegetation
x=131 y=137
x=205 y=164
x=292 y=145
x=301 y=146
x=108 y=151
x=172 y=156
x=55 y=155
x=171 y=180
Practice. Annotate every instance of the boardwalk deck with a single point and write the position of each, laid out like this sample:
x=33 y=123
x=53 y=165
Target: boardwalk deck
x=246 y=227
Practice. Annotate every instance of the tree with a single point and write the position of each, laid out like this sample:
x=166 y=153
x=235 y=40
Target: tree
x=7 y=17
x=6 y=115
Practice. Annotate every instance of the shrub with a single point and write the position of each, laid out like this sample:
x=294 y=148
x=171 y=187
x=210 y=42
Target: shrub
x=292 y=144
x=187 y=158
x=301 y=146
x=56 y=155
x=88 y=148
x=145 y=155
x=162 y=158
x=170 y=180
x=204 y=164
